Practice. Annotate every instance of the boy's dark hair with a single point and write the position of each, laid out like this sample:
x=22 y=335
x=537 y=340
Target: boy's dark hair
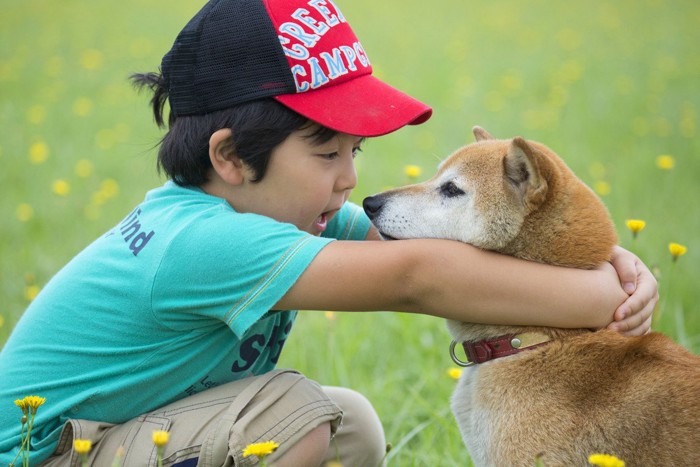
x=257 y=127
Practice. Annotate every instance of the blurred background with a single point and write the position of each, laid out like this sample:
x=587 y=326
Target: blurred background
x=611 y=86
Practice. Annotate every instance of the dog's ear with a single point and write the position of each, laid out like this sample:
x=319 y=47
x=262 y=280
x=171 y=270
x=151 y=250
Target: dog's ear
x=480 y=134
x=524 y=173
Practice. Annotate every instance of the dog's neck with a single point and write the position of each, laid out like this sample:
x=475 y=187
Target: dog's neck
x=486 y=343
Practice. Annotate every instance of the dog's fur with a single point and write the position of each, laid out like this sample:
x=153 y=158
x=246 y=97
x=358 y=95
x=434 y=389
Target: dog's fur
x=584 y=392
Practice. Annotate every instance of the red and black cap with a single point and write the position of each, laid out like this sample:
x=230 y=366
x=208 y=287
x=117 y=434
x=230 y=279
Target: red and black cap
x=302 y=53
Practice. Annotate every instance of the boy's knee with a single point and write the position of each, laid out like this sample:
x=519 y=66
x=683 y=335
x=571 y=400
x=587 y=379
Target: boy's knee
x=309 y=450
x=360 y=439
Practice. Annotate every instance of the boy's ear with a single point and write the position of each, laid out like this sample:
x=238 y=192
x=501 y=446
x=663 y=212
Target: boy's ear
x=223 y=157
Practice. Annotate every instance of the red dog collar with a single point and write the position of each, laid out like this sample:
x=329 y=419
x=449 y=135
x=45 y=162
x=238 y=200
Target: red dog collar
x=502 y=346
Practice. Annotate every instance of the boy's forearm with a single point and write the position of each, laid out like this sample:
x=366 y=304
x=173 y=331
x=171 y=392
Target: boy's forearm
x=468 y=284
x=452 y=280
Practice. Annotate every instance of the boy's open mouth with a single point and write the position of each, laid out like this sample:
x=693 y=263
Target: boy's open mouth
x=321 y=222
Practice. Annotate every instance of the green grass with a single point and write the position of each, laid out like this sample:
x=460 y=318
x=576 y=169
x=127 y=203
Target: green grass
x=608 y=85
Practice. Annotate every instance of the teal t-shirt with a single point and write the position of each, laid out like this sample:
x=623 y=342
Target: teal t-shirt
x=173 y=300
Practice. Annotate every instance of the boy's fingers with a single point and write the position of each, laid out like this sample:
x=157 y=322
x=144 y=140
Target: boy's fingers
x=625 y=264
x=635 y=324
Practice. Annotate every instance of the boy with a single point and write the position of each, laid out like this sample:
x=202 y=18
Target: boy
x=174 y=319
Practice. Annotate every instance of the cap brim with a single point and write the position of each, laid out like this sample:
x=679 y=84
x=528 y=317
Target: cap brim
x=363 y=106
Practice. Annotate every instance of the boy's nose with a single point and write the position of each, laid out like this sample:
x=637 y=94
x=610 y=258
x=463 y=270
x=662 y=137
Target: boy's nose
x=348 y=179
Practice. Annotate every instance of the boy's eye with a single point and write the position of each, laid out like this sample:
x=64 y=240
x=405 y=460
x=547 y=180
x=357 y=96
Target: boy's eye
x=356 y=151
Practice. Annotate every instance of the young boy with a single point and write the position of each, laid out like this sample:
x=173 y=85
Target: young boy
x=174 y=319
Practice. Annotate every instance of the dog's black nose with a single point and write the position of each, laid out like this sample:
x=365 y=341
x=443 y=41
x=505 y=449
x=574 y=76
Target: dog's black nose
x=372 y=206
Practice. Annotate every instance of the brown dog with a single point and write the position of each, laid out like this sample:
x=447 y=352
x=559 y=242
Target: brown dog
x=555 y=393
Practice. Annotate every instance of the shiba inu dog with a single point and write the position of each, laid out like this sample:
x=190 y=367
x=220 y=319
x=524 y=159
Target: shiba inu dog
x=528 y=392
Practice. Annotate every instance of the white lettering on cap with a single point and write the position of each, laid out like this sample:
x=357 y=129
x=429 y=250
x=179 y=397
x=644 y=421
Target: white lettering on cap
x=300 y=36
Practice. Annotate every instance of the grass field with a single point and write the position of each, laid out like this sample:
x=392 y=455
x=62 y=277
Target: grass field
x=611 y=86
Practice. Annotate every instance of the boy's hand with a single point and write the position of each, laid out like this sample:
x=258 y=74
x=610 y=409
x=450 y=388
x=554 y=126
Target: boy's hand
x=633 y=317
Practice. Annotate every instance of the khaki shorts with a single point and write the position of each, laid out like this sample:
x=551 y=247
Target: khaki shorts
x=213 y=427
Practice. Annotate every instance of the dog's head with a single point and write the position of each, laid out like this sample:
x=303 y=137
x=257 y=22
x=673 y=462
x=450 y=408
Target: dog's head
x=512 y=196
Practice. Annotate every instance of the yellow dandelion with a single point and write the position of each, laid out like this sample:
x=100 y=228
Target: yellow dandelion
x=161 y=438
x=91 y=59
x=22 y=404
x=38 y=152
x=454 y=373
x=665 y=162
x=31 y=291
x=635 y=226
x=109 y=188
x=24 y=212
x=412 y=171
x=54 y=67
x=677 y=250
x=605 y=460
x=332 y=464
x=330 y=316
x=34 y=402
x=83 y=168
x=60 y=187
x=105 y=138
x=602 y=188
x=82 y=107
x=36 y=114
x=82 y=446
x=91 y=212
x=260 y=449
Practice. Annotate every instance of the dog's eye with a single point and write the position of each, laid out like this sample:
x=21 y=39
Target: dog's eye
x=450 y=190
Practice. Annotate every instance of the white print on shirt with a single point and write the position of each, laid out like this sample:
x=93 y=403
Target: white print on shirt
x=132 y=233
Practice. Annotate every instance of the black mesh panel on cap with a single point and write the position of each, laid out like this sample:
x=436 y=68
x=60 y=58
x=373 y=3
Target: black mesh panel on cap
x=227 y=54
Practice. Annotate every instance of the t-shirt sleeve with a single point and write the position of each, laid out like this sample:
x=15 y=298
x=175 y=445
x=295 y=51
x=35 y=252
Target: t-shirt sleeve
x=230 y=268
x=351 y=223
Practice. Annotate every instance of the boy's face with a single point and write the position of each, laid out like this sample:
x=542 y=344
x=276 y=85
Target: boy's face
x=306 y=183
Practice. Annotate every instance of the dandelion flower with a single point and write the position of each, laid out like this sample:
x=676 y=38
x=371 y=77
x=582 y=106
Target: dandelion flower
x=24 y=212
x=22 y=404
x=91 y=59
x=36 y=114
x=34 y=402
x=260 y=449
x=605 y=460
x=330 y=316
x=412 y=171
x=635 y=226
x=109 y=188
x=677 y=250
x=665 y=162
x=38 y=153
x=31 y=291
x=82 y=446
x=161 y=438
x=454 y=373
x=60 y=187
x=602 y=188
x=82 y=107
x=83 y=168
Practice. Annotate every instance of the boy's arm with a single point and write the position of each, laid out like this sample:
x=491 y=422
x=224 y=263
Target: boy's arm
x=452 y=280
